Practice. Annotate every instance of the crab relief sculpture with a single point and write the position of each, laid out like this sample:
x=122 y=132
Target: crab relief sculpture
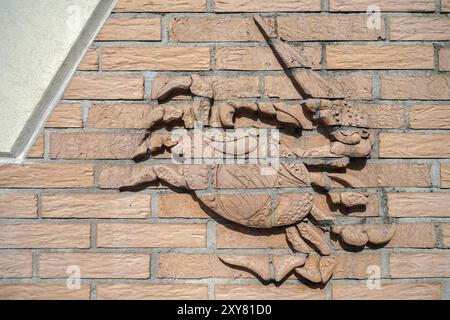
x=287 y=202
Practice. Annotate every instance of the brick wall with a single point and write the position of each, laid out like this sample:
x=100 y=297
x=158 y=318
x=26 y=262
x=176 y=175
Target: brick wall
x=157 y=243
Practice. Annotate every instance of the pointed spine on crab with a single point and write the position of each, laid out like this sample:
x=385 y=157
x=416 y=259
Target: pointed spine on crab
x=361 y=235
x=317 y=269
x=267 y=267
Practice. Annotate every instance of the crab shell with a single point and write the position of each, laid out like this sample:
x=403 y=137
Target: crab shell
x=261 y=210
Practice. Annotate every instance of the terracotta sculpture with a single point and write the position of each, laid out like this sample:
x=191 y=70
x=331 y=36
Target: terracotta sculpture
x=303 y=222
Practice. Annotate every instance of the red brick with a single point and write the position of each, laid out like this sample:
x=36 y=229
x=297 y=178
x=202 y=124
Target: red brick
x=420 y=28
x=37 y=150
x=388 y=291
x=405 y=145
x=324 y=28
x=95 y=205
x=83 y=145
x=212 y=29
x=444 y=59
x=90 y=61
x=419 y=265
x=16 y=265
x=176 y=205
x=161 y=235
x=380 y=57
x=45 y=236
x=429 y=117
x=270 y=292
x=42 y=292
x=355 y=265
x=379 y=175
x=266 y=5
x=160 y=6
x=47 y=175
x=66 y=116
x=415 y=87
x=96 y=265
x=18 y=205
x=131 y=29
x=384 y=5
x=151 y=292
x=155 y=58
x=84 y=87
x=196 y=266
x=445 y=175
x=419 y=204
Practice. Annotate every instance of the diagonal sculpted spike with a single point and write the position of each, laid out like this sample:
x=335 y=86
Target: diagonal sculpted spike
x=288 y=55
x=309 y=82
x=315 y=86
x=256 y=263
x=265 y=28
x=291 y=57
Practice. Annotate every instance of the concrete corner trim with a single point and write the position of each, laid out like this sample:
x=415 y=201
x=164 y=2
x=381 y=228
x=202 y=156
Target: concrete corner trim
x=44 y=41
